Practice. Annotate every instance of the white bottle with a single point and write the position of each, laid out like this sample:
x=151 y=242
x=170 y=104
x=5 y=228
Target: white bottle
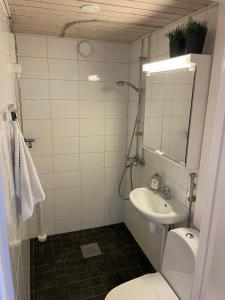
x=155 y=182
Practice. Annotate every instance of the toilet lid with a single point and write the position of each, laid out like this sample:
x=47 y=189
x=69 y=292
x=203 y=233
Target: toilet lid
x=147 y=287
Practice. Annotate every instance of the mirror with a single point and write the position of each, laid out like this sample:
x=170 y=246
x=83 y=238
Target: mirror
x=168 y=112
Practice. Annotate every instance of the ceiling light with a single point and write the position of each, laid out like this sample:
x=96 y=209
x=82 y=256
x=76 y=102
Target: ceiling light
x=90 y=8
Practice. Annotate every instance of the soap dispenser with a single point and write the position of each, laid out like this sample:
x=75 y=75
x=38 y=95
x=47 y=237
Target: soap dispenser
x=155 y=182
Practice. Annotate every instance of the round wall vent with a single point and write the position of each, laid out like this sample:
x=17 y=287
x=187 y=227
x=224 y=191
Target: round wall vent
x=85 y=48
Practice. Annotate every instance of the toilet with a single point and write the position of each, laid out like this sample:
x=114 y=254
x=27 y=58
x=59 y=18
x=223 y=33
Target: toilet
x=175 y=280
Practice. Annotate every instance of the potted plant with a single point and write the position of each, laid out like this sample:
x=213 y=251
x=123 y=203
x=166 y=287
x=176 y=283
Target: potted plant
x=195 y=33
x=177 y=41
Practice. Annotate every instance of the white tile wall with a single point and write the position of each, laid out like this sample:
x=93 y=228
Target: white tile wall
x=66 y=162
x=115 y=93
x=33 y=48
x=34 y=68
x=115 y=143
x=116 y=126
x=92 y=90
x=17 y=232
x=92 y=109
x=34 y=89
x=92 y=176
x=63 y=69
x=66 y=179
x=37 y=128
x=92 y=192
x=67 y=195
x=63 y=89
x=92 y=161
x=65 y=127
x=92 y=144
x=117 y=71
x=36 y=109
x=89 y=68
x=80 y=127
x=118 y=52
x=42 y=146
x=173 y=175
x=63 y=109
x=65 y=145
x=90 y=127
x=58 y=48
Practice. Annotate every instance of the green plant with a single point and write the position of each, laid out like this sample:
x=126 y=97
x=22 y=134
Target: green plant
x=176 y=34
x=193 y=26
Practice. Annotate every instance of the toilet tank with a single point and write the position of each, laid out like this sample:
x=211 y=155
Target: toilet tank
x=179 y=260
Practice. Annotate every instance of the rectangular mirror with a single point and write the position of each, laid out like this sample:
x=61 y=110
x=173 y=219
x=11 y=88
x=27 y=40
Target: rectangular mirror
x=168 y=105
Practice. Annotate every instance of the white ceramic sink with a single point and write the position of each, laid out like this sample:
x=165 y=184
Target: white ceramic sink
x=157 y=210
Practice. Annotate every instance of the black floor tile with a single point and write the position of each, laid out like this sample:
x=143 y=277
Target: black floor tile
x=59 y=271
x=77 y=295
x=88 y=293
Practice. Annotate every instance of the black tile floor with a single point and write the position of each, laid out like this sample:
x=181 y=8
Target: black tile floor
x=59 y=271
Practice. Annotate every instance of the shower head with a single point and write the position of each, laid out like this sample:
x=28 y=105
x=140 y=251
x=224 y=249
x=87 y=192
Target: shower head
x=125 y=83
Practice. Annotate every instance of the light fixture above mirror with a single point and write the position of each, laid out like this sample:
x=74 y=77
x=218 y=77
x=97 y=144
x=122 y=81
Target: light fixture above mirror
x=180 y=62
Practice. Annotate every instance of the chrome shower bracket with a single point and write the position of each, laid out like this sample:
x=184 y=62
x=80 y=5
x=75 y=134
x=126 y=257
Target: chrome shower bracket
x=191 y=197
x=142 y=58
x=139 y=133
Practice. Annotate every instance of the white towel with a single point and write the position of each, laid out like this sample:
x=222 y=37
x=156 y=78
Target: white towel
x=27 y=184
x=6 y=168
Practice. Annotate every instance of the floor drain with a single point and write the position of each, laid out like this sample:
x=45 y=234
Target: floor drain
x=90 y=250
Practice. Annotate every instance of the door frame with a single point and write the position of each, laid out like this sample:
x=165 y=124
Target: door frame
x=6 y=281
x=208 y=193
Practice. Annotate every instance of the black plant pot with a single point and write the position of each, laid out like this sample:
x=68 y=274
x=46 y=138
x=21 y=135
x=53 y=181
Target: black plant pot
x=177 y=48
x=194 y=43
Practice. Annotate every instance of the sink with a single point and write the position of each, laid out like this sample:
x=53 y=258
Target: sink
x=157 y=210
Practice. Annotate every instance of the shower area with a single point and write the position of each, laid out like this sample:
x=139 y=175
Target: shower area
x=79 y=108
x=74 y=98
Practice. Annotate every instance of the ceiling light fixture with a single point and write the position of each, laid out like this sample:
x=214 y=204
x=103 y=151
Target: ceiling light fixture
x=89 y=8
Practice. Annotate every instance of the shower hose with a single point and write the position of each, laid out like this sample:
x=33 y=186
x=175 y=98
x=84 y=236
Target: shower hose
x=128 y=165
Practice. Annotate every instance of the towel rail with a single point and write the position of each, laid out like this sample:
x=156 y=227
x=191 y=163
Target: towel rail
x=30 y=142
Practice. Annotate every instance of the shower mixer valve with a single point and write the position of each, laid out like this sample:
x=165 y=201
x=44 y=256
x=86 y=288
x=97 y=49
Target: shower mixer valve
x=135 y=160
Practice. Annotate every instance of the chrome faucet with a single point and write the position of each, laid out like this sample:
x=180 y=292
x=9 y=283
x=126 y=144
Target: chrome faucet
x=164 y=191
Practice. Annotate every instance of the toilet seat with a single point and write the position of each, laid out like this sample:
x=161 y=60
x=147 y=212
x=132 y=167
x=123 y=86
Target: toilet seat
x=147 y=287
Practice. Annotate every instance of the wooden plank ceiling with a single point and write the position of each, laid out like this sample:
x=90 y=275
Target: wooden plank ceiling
x=117 y=20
